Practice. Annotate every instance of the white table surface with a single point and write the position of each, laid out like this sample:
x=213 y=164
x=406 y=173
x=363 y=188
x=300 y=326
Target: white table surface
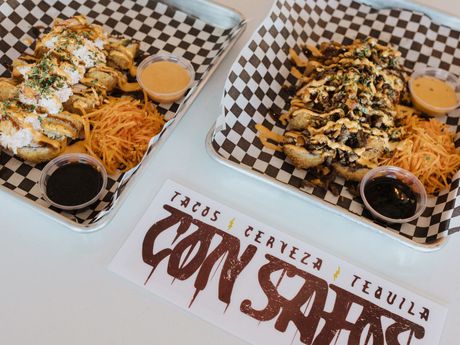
x=55 y=287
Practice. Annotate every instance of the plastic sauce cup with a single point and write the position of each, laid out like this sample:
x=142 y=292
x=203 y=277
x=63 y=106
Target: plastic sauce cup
x=425 y=106
x=404 y=176
x=77 y=183
x=162 y=91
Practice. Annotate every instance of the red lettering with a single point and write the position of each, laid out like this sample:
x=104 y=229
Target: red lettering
x=292 y=253
x=185 y=202
x=313 y=290
x=283 y=246
x=305 y=258
x=196 y=206
x=214 y=216
x=270 y=241
x=258 y=236
x=175 y=195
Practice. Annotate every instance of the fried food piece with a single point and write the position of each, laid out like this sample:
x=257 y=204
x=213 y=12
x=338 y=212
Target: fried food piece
x=38 y=154
x=36 y=137
x=62 y=125
x=23 y=143
x=304 y=118
x=122 y=52
x=101 y=80
x=302 y=158
x=8 y=89
x=75 y=31
x=19 y=66
x=349 y=172
x=302 y=152
x=82 y=103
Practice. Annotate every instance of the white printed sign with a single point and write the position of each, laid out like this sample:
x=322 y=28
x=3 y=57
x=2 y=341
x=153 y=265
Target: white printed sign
x=263 y=285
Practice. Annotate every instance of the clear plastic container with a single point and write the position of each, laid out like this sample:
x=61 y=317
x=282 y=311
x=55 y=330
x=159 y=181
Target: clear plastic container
x=66 y=159
x=406 y=178
x=172 y=95
x=422 y=104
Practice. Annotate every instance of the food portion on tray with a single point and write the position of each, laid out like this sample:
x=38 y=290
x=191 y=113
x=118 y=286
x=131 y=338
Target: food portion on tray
x=286 y=94
x=62 y=98
x=351 y=111
x=84 y=101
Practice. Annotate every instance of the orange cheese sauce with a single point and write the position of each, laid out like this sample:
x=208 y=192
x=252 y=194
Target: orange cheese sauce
x=434 y=92
x=165 y=77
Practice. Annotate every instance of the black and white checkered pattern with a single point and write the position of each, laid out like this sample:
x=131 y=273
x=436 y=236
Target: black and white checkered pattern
x=254 y=86
x=157 y=26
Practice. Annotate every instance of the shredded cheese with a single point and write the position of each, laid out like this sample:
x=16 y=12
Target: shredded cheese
x=119 y=132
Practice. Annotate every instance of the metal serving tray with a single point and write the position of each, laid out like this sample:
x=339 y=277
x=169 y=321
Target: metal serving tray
x=201 y=31
x=258 y=74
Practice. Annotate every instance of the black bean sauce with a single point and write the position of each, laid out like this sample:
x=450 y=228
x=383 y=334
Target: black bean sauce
x=74 y=184
x=391 y=197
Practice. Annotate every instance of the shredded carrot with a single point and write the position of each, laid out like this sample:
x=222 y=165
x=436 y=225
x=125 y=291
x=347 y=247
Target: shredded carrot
x=428 y=152
x=119 y=132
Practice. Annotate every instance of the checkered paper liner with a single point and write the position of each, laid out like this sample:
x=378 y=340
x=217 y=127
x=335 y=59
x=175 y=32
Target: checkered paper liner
x=156 y=25
x=254 y=87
